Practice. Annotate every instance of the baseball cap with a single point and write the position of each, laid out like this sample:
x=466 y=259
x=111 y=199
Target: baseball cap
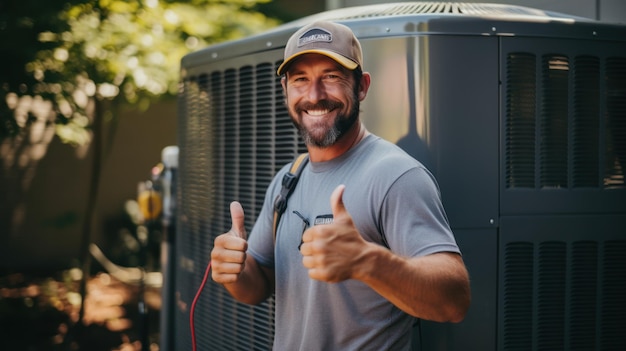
x=325 y=38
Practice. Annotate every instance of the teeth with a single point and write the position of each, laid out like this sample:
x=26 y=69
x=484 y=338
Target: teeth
x=317 y=112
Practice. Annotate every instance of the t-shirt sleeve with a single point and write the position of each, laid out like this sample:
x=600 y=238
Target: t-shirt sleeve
x=413 y=219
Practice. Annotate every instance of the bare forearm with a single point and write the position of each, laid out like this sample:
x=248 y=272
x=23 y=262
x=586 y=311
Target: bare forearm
x=433 y=287
x=253 y=285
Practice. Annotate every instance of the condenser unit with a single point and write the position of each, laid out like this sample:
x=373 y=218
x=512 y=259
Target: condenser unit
x=519 y=113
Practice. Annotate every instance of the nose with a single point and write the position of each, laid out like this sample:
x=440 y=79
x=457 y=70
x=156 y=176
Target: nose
x=317 y=91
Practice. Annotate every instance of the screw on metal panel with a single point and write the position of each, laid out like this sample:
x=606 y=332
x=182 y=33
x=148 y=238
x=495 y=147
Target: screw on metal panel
x=214 y=55
x=268 y=44
x=491 y=221
x=493 y=29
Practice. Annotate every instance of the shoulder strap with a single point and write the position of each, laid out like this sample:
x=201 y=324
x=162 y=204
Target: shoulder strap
x=290 y=179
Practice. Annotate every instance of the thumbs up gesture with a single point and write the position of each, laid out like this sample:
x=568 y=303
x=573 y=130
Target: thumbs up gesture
x=228 y=256
x=237 y=216
x=333 y=252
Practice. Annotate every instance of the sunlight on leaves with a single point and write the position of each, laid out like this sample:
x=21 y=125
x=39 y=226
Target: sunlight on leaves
x=128 y=52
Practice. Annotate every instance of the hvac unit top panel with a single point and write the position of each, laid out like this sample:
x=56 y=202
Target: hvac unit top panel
x=424 y=18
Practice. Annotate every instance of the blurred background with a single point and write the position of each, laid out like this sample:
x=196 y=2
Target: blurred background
x=87 y=104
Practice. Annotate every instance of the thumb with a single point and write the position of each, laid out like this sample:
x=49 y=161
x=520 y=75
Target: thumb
x=336 y=203
x=236 y=215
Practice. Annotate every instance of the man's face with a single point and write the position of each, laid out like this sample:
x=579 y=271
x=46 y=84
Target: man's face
x=321 y=99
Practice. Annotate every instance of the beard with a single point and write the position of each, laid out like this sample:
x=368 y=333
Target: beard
x=324 y=133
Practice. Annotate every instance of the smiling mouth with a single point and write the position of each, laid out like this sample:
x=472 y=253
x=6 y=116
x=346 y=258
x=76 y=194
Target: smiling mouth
x=319 y=109
x=317 y=112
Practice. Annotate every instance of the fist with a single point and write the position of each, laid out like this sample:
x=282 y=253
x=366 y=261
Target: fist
x=331 y=251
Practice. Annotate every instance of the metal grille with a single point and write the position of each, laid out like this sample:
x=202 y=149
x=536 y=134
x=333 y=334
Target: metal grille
x=235 y=135
x=616 y=121
x=565 y=121
x=520 y=128
x=428 y=7
x=551 y=291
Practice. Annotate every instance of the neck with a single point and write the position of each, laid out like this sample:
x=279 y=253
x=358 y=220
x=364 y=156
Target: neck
x=351 y=138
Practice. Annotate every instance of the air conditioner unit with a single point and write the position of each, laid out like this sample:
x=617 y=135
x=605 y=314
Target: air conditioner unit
x=519 y=113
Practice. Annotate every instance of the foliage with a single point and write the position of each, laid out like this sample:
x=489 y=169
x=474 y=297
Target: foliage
x=123 y=51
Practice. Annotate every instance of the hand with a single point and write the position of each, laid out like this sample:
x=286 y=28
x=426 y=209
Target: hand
x=332 y=252
x=228 y=256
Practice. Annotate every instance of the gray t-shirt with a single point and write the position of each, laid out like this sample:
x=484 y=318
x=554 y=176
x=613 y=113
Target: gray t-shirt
x=395 y=202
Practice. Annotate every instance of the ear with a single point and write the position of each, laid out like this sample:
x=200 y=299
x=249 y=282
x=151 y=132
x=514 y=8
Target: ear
x=283 y=82
x=364 y=85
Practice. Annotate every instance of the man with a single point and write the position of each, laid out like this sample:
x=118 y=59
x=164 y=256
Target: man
x=364 y=245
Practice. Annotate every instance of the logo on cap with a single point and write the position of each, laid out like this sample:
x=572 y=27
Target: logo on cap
x=315 y=35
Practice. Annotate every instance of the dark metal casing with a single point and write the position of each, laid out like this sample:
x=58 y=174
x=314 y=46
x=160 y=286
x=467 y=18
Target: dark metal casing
x=519 y=113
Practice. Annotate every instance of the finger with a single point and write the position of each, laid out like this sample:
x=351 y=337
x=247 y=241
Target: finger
x=308 y=262
x=237 y=218
x=336 y=202
x=229 y=241
x=305 y=249
x=307 y=236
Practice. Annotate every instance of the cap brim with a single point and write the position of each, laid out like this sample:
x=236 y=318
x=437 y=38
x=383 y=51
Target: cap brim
x=342 y=60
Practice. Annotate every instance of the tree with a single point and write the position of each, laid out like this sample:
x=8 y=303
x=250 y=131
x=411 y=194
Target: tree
x=67 y=65
x=118 y=51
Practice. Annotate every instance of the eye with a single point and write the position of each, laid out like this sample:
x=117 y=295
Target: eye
x=298 y=79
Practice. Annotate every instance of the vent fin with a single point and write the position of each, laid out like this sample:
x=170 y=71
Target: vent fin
x=554 y=122
x=520 y=115
x=551 y=290
x=616 y=122
x=584 y=295
x=613 y=301
x=518 y=296
x=551 y=298
x=586 y=123
x=556 y=136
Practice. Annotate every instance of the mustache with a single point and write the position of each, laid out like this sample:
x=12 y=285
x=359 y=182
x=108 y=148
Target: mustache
x=320 y=105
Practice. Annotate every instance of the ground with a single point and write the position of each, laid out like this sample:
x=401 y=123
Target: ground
x=41 y=312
